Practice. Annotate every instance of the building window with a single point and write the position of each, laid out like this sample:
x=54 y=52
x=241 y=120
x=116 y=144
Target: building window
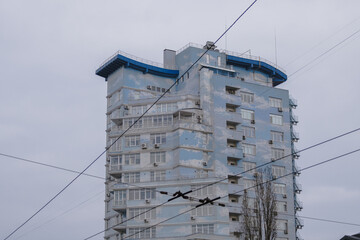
x=157 y=157
x=131 y=177
x=249 y=132
x=115 y=144
x=138 y=110
x=157 y=176
x=279 y=188
x=142 y=194
x=142 y=213
x=202 y=190
x=219 y=61
x=277 y=153
x=132 y=141
x=165 y=107
x=277 y=136
x=119 y=197
x=142 y=232
x=127 y=122
x=278 y=171
x=247 y=114
x=249 y=184
x=247 y=97
x=249 y=149
x=132 y=159
x=276 y=119
x=281 y=206
x=158 y=138
x=282 y=225
x=249 y=167
x=206 y=210
x=232 y=143
x=115 y=163
x=203 y=228
x=275 y=102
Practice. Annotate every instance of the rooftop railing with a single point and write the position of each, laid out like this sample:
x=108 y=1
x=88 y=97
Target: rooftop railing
x=138 y=59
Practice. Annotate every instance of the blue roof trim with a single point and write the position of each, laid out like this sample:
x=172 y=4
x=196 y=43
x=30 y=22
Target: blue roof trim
x=277 y=75
x=118 y=61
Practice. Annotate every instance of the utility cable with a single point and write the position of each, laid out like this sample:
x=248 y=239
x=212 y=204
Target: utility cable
x=333 y=47
x=49 y=165
x=217 y=198
x=141 y=116
x=68 y=170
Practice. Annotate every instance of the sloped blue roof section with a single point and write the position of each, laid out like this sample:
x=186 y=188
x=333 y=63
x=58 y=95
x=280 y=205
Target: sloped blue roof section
x=277 y=75
x=118 y=60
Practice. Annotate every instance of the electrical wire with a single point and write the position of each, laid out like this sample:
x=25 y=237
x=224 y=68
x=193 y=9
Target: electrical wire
x=271 y=180
x=141 y=116
x=333 y=47
x=49 y=165
x=68 y=170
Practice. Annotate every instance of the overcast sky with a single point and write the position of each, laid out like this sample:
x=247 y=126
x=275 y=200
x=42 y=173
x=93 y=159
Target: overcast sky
x=52 y=105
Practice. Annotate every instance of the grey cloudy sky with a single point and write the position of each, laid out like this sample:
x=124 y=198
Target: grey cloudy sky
x=52 y=105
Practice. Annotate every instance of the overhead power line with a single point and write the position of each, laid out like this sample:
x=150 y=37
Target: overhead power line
x=330 y=49
x=135 y=122
x=49 y=165
x=203 y=202
x=331 y=221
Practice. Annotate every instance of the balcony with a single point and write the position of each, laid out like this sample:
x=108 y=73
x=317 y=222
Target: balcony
x=115 y=170
x=292 y=103
x=119 y=205
x=299 y=223
x=294 y=136
x=298 y=205
x=297 y=188
x=295 y=153
x=293 y=119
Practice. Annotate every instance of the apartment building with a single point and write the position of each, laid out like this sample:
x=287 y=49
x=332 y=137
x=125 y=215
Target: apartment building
x=225 y=116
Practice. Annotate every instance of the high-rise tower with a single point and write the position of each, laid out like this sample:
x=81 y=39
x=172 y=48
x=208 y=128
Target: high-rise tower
x=223 y=117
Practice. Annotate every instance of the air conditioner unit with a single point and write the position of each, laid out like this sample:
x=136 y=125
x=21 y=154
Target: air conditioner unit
x=285 y=231
x=197 y=102
x=157 y=145
x=242 y=79
x=280 y=109
x=243 y=137
x=232 y=164
x=233 y=181
x=147 y=201
x=108 y=194
x=148 y=87
x=252 y=121
x=284 y=196
x=204 y=164
x=144 y=146
x=192 y=218
x=155 y=164
x=126 y=107
x=198 y=119
x=270 y=141
x=273 y=159
x=146 y=220
x=244 y=155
